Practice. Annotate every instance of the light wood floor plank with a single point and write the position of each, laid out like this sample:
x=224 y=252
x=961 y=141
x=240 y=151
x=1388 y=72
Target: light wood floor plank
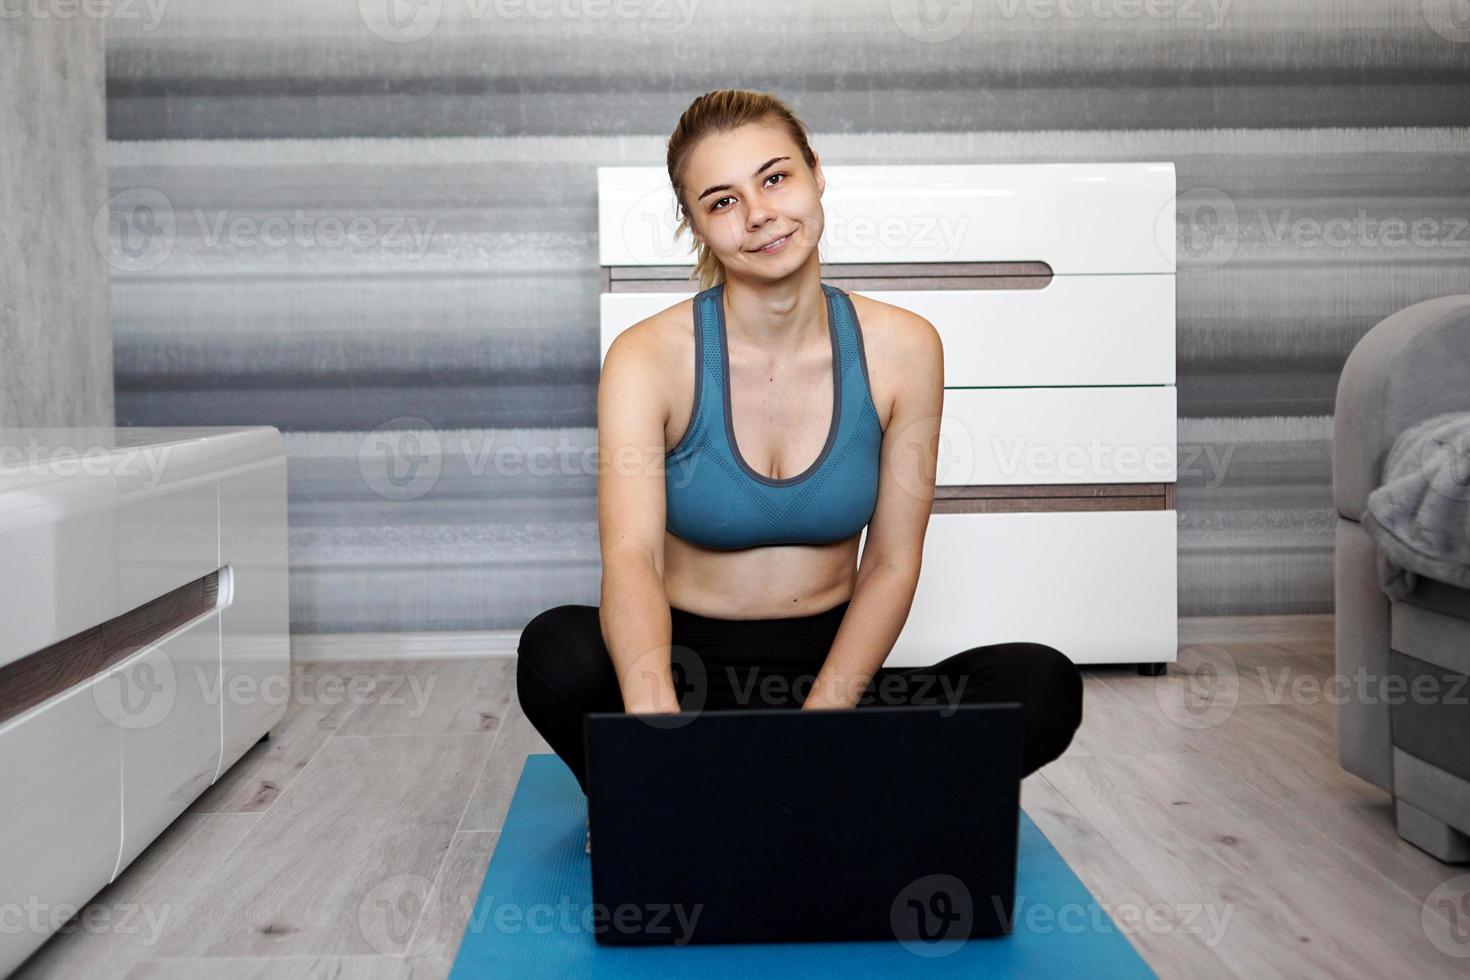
x=1175 y=947
x=364 y=829
x=130 y=915
x=497 y=783
x=435 y=697
x=1295 y=904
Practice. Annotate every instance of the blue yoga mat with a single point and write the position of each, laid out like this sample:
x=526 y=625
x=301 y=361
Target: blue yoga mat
x=534 y=916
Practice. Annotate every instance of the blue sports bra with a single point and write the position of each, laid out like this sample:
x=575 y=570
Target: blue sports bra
x=716 y=500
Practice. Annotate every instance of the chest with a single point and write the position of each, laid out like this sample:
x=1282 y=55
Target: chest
x=781 y=411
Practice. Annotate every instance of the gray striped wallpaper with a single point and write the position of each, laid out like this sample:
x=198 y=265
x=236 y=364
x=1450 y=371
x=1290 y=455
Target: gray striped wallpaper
x=371 y=223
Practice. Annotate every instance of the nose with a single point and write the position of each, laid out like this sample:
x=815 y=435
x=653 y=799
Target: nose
x=758 y=214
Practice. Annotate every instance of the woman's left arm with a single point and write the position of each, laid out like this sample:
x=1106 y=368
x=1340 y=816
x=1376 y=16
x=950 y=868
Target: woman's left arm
x=888 y=572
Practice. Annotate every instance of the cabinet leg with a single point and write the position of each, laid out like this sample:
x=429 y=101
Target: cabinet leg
x=1151 y=669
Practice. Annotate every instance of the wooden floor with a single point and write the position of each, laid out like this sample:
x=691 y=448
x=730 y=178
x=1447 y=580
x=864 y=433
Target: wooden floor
x=1205 y=810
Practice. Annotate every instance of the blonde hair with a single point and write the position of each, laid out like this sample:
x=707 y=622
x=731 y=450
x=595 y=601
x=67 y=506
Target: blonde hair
x=717 y=112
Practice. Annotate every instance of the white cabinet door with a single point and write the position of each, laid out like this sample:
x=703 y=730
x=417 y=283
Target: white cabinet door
x=166 y=701
x=256 y=642
x=1024 y=436
x=61 y=822
x=1100 y=586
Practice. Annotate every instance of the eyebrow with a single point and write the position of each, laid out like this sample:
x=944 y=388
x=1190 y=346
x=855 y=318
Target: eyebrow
x=726 y=187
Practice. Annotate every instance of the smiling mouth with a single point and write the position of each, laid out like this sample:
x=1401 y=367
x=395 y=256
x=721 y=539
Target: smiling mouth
x=769 y=245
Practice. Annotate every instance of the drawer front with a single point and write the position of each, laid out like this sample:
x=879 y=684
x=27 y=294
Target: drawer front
x=1020 y=436
x=63 y=532
x=1100 y=587
x=166 y=535
x=166 y=701
x=1079 y=330
x=61 y=820
x=255 y=639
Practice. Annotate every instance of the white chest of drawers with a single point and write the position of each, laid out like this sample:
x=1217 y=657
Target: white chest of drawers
x=143 y=584
x=1052 y=288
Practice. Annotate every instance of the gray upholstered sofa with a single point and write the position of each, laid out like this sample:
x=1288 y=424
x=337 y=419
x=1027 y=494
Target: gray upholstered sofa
x=1411 y=367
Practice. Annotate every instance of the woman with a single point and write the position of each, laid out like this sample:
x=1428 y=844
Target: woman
x=798 y=414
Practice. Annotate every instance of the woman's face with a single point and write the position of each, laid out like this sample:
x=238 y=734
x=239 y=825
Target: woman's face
x=747 y=188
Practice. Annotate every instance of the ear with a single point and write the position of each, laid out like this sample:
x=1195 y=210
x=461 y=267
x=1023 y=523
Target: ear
x=821 y=178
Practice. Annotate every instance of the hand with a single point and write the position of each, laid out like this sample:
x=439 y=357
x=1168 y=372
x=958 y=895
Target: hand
x=655 y=700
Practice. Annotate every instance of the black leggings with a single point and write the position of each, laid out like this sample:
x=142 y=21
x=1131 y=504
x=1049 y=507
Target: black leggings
x=565 y=672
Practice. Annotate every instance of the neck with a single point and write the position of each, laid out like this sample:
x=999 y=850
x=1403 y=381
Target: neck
x=782 y=316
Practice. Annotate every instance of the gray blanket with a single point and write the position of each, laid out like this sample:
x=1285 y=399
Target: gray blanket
x=1420 y=517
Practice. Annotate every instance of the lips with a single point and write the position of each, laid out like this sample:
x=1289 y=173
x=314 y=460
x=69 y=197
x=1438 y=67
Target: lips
x=774 y=241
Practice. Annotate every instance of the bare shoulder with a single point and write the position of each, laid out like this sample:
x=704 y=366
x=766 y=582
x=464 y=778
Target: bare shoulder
x=902 y=349
x=658 y=342
x=649 y=371
x=894 y=330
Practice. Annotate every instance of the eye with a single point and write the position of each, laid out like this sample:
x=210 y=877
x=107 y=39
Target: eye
x=716 y=205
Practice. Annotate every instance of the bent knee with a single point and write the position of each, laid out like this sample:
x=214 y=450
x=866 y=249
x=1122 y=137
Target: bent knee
x=562 y=648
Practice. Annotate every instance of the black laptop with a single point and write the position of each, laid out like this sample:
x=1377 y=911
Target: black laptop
x=782 y=825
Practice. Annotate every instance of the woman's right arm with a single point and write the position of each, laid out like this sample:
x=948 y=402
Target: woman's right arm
x=634 y=607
